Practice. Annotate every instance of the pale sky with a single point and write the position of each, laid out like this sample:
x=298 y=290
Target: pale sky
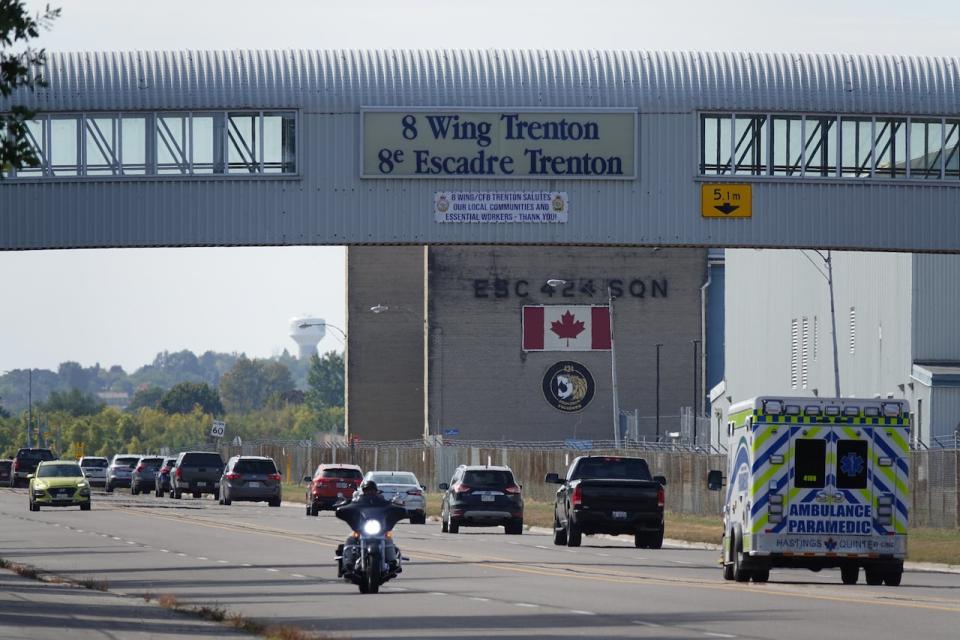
x=124 y=306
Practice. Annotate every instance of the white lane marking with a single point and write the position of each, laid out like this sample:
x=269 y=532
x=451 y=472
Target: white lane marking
x=540 y=546
x=718 y=635
x=130 y=542
x=399 y=589
x=246 y=565
x=570 y=551
x=481 y=599
x=437 y=593
x=512 y=542
x=182 y=555
x=604 y=555
x=165 y=550
x=526 y=604
x=79 y=530
x=115 y=538
x=223 y=561
x=297 y=575
x=271 y=569
x=647 y=624
x=201 y=558
x=582 y=613
x=681 y=562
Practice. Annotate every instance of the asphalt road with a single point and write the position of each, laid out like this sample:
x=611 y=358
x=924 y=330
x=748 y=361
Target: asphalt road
x=276 y=565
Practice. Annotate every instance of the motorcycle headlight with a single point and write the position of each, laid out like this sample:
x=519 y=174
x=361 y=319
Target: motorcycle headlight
x=372 y=527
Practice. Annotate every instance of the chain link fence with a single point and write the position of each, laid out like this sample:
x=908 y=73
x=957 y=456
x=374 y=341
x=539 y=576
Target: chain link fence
x=934 y=473
x=934 y=480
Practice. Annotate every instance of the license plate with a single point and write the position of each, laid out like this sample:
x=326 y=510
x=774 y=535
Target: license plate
x=486 y=498
x=201 y=484
x=620 y=515
x=253 y=484
x=342 y=485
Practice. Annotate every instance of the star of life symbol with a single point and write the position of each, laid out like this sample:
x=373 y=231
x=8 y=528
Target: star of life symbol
x=851 y=464
x=830 y=544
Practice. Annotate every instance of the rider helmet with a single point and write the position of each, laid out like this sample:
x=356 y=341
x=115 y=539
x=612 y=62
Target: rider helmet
x=369 y=488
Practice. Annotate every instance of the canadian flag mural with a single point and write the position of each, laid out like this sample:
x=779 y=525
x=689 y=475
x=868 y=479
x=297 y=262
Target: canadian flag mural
x=566 y=328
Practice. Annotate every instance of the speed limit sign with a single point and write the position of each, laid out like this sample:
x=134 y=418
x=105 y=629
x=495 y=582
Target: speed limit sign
x=218 y=429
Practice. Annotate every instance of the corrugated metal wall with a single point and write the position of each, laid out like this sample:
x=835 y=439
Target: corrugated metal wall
x=936 y=308
x=329 y=204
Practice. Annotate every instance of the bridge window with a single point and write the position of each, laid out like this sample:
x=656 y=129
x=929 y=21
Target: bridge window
x=829 y=146
x=161 y=144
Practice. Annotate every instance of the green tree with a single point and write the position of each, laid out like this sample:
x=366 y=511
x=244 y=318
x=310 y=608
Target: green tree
x=325 y=381
x=250 y=383
x=73 y=402
x=183 y=397
x=149 y=397
x=19 y=70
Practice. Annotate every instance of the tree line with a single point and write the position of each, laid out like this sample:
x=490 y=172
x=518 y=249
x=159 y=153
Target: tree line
x=258 y=398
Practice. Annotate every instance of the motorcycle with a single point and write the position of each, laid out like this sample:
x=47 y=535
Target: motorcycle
x=369 y=558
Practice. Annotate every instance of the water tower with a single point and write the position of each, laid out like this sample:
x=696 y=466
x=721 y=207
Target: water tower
x=307 y=332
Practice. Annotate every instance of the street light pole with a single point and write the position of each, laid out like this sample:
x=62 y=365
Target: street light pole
x=613 y=374
x=658 y=390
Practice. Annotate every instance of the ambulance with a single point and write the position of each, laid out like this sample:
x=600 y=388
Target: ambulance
x=816 y=483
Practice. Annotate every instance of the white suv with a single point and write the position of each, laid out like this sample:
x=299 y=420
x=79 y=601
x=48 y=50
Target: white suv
x=94 y=469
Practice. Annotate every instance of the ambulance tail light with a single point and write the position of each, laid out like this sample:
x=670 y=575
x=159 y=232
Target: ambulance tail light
x=775 y=508
x=885 y=509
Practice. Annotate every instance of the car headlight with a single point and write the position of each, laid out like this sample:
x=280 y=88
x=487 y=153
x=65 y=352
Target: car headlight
x=39 y=487
x=372 y=527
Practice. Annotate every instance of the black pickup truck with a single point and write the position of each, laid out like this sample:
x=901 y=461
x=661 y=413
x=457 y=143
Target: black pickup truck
x=608 y=494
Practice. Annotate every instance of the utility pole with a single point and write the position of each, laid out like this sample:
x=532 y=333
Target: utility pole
x=696 y=343
x=30 y=406
x=833 y=321
x=658 y=390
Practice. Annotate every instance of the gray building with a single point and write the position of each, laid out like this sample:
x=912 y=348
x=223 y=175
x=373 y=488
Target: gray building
x=896 y=328
x=435 y=341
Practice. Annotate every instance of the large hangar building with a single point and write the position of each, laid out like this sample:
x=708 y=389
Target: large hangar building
x=513 y=343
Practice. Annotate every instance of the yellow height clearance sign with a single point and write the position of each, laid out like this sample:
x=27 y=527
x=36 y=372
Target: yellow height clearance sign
x=726 y=200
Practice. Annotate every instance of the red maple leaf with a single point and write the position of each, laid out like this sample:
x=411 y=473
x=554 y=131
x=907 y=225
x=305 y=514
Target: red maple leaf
x=567 y=328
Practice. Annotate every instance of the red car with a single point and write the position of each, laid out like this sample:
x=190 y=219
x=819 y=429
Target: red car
x=330 y=484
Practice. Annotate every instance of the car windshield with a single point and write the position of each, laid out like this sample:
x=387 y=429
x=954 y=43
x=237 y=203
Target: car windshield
x=59 y=471
x=202 y=460
x=94 y=462
x=126 y=461
x=613 y=469
x=255 y=466
x=351 y=474
x=395 y=478
x=492 y=478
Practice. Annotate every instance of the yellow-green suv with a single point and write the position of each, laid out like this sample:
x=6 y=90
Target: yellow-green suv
x=59 y=483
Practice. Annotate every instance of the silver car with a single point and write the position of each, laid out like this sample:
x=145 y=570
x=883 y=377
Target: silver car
x=94 y=469
x=403 y=488
x=120 y=470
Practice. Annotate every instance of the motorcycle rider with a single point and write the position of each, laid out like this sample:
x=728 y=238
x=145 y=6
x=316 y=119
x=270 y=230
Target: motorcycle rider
x=369 y=497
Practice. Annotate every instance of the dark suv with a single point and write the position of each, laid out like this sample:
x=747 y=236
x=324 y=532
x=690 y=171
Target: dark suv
x=162 y=478
x=197 y=473
x=482 y=496
x=25 y=463
x=142 y=478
